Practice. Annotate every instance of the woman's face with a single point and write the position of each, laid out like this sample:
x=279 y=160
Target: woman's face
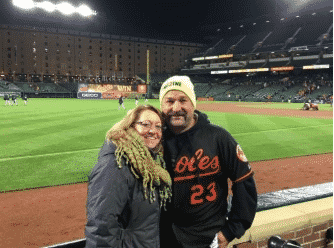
x=149 y=127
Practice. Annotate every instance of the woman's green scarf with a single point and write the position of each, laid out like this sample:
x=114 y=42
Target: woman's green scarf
x=153 y=172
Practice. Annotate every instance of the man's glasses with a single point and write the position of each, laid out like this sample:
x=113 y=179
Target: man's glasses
x=147 y=125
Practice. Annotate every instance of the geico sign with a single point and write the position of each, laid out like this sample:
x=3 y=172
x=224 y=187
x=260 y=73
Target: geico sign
x=90 y=95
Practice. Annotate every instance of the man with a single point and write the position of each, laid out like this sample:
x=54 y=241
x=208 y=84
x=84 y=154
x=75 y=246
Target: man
x=200 y=157
x=6 y=98
x=136 y=100
x=14 y=100
x=121 y=102
x=25 y=99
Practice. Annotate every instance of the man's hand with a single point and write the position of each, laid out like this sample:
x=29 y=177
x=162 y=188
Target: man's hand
x=222 y=241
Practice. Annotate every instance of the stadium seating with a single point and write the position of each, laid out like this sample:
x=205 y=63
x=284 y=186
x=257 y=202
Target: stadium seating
x=249 y=43
x=219 y=89
x=70 y=87
x=24 y=86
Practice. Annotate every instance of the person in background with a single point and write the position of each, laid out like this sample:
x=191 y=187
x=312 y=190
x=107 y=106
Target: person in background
x=121 y=102
x=200 y=157
x=25 y=99
x=129 y=184
x=14 y=100
x=136 y=100
x=6 y=98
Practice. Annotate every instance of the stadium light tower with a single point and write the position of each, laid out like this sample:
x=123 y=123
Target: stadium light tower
x=64 y=7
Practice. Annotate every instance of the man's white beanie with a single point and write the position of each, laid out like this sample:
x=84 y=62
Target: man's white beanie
x=181 y=83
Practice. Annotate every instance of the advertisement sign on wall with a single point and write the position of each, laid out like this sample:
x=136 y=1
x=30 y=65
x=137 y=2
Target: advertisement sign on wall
x=142 y=88
x=89 y=95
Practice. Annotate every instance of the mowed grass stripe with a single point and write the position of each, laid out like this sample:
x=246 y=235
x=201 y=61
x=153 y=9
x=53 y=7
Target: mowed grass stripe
x=55 y=139
x=235 y=123
x=47 y=155
x=286 y=143
x=270 y=137
x=47 y=171
x=286 y=129
x=77 y=133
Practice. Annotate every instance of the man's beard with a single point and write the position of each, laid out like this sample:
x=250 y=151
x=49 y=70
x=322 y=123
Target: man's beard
x=177 y=121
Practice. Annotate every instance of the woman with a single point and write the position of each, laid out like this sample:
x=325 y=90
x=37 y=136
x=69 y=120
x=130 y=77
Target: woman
x=129 y=184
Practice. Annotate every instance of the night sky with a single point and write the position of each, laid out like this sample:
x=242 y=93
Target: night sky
x=192 y=21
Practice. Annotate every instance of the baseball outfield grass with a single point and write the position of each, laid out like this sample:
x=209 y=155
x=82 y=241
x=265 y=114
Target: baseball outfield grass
x=57 y=141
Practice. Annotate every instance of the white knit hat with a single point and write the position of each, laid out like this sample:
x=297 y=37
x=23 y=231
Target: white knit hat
x=181 y=83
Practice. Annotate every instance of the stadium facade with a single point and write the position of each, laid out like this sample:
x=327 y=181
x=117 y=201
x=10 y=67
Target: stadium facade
x=59 y=54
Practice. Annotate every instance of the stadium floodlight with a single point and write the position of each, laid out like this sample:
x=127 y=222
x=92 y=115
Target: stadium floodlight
x=65 y=8
x=47 y=6
x=84 y=10
x=24 y=4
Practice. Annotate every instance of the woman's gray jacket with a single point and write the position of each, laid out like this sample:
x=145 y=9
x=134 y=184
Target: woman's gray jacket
x=118 y=215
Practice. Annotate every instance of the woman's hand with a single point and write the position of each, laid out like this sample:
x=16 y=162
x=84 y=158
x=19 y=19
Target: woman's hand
x=222 y=241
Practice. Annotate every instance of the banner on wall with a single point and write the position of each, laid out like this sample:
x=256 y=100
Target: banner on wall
x=142 y=88
x=283 y=68
x=110 y=91
x=310 y=67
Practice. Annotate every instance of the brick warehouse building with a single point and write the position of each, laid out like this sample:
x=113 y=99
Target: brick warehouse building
x=53 y=54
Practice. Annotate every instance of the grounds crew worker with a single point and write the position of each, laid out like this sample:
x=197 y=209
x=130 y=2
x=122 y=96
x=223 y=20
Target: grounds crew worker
x=14 y=100
x=25 y=98
x=200 y=156
x=6 y=98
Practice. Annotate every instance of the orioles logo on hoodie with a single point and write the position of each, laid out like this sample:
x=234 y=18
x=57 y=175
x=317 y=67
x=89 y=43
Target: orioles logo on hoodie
x=197 y=165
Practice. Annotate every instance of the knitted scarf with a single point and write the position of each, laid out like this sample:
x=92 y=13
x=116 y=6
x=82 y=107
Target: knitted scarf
x=153 y=172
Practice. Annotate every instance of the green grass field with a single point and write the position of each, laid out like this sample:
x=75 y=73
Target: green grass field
x=57 y=141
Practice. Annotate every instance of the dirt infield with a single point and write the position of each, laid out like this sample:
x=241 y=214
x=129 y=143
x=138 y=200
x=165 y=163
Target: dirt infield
x=42 y=217
x=263 y=109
